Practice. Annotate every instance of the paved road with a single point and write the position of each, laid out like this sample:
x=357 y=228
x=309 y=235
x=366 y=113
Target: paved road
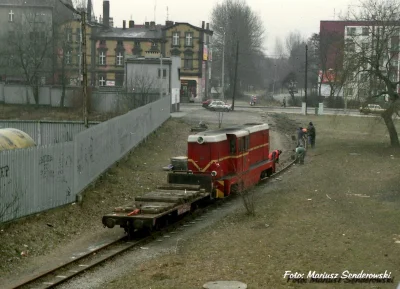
x=242 y=106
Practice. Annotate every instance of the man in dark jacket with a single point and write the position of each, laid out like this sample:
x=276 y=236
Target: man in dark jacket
x=311 y=134
x=300 y=134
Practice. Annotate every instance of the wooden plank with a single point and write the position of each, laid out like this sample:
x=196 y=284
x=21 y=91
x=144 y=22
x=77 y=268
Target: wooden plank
x=179 y=187
x=154 y=208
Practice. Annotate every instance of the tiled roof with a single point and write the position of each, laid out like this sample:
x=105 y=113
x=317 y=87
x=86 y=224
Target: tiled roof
x=136 y=32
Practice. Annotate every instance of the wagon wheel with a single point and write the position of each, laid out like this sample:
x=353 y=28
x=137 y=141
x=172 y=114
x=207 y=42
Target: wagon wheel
x=130 y=230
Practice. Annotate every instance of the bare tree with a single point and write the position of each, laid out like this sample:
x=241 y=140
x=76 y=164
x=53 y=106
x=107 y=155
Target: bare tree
x=238 y=22
x=29 y=50
x=295 y=49
x=372 y=52
x=293 y=40
x=331 y=56
x=279 y=49
x=79 y=3
x=63 y=38
x=141 y=87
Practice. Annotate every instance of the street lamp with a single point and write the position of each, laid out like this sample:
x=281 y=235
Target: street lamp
x=83 y=59
x=223 y=67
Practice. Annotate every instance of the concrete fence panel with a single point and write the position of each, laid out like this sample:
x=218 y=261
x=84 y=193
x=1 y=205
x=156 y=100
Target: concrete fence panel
x=44 y=177
x=35 y=179
x=47 y=132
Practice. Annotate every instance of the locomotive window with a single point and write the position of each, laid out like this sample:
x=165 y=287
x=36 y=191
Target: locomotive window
x=246 y=143
x=232 y=144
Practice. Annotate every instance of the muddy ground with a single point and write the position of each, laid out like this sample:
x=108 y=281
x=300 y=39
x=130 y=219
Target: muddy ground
x=47 y=239
x=338 y=213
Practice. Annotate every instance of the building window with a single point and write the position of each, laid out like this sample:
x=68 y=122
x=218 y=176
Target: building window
x=102 y=42
x=188 y=63
x=137 y=43
x=102 y=58
x=175 y=39
x=364 y=46
x=348 y=92
x=11 y=36
x=102 y=80
x=365 y=31
x=78 y=35
x=364 y=77
x=164 y=73
x=351 y=31
x=154 y=46
x=68 y=57
x=11 y=16
x=11 y=61
x=189 y=39
x=119 y=79
x=68 y=32
x=120 y=59
x=79 y=59
x=351 y=47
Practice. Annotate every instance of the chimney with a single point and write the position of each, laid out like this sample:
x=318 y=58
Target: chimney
x=202 y=24
x=106 y=13
x=208 y=26
x=89 y=10
x=147 y=25
x=152 y=25
x=131 y=23
x=169 y=23
x=124 y=24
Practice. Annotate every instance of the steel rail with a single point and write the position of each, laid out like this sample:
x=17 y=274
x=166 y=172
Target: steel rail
x=61 y=274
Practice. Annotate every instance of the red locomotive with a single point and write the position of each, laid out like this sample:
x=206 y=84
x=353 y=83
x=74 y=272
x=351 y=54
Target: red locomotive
x=220 y=162
x=235 y=157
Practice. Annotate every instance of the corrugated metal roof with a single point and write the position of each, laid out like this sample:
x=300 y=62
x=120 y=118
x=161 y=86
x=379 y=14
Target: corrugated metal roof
x=135 y=32
x=33 y=2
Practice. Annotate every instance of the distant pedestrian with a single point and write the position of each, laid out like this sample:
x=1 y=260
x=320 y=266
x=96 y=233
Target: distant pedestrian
x=311 y=134
x=300 y=154
x=284 y=101
x=274 y=156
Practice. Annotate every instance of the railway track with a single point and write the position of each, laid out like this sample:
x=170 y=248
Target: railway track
x=100 y=255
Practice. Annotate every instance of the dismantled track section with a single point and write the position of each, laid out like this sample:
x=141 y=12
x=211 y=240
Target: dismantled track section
x=83 y=263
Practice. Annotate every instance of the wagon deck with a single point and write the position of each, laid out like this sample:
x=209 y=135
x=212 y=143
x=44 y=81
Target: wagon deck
x=149 y=209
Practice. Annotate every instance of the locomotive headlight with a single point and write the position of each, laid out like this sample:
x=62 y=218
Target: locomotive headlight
x=213 y=173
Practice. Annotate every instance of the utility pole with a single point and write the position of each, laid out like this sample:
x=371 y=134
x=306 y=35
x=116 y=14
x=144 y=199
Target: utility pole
x=236 y=68
x=161 y=75
x=84 y=67
x=83 y=61
x=305 y=81
x=223 y=69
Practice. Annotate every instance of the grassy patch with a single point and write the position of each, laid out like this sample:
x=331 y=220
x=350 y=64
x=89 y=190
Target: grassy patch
x=340 y=211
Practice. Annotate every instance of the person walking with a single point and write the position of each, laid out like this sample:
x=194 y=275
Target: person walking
x=311 y=134
x=274 y=156
x=284 y=101
x=300 y=154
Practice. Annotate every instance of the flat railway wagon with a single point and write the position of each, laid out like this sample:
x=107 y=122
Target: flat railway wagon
x=219 y=162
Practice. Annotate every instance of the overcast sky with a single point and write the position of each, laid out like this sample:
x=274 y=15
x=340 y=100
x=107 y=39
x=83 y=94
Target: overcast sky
x=279 y=16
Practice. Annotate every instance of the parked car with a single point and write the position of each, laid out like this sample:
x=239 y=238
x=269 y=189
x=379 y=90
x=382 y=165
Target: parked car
x=207 y=103
x=218 y=105
x=371 y=108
